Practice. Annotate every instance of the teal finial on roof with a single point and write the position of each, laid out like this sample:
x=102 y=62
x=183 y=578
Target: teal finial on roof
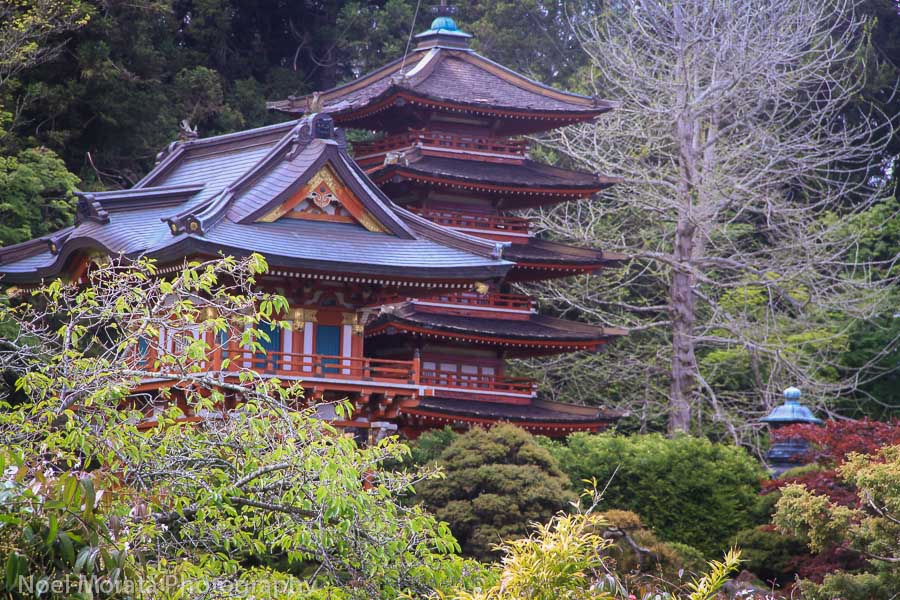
x=445 y=23
x=791 y=411
x=444 y=30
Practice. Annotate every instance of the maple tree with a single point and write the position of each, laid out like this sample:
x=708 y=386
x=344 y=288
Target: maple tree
x=829 y=447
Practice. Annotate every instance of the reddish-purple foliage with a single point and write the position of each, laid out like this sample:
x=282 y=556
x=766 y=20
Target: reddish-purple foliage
x=829 y=446
x=817 y=566
x=834 y=440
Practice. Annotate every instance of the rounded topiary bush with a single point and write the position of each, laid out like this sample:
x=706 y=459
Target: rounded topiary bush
x=686 y=489
x=496 y=483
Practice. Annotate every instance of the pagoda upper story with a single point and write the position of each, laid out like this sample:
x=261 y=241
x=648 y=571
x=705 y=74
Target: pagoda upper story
x=443 y=83
x=448 y=141
x=450 y=146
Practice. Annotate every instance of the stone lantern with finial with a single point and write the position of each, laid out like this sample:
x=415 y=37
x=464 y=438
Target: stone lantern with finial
x=788 y=453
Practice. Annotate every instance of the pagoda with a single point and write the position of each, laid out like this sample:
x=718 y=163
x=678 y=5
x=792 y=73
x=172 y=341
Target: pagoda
x=396 y=256
x=448 y=146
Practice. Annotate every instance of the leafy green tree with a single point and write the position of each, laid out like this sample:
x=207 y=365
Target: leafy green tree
x=429 y=446
x=686 y=489
x=36 y=195
x=139 y=68
x=126 y=483
x=495 y=483
x=28 y=29
x=55 y=530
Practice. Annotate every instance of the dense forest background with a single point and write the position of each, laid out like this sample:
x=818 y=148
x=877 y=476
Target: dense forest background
x=114 y=96
x=96 y=115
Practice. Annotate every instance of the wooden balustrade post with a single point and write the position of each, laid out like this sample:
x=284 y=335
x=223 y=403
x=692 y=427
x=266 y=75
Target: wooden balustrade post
x=216 y=362
x=232 y=348
x=417 y=366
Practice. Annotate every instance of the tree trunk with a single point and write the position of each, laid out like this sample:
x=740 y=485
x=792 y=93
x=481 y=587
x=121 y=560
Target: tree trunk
x=682 y=308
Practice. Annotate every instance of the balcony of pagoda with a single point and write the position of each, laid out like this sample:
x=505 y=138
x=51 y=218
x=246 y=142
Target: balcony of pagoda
x=318 y=373
x=493 y=226
x=506 y=306
x=491 y=304
x=378 y=152
x=489 y=388
x=337 y=376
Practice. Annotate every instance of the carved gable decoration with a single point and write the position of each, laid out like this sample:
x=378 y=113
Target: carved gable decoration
x=324 y=198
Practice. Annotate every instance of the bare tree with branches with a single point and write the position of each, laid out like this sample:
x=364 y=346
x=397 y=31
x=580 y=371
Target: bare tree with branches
x=748 y=169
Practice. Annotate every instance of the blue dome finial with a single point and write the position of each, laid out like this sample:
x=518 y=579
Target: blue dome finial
x=792 y=393
x=444 y=30
x=791 y=411
x=444 y=22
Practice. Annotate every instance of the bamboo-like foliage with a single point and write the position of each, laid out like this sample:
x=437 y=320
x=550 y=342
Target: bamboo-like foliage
x=749 y=167
x=565 y=559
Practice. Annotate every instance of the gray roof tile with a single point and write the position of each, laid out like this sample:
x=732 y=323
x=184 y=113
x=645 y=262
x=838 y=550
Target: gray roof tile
x=241 y=175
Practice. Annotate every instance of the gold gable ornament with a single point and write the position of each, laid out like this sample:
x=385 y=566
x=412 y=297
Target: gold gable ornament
x=325 y=198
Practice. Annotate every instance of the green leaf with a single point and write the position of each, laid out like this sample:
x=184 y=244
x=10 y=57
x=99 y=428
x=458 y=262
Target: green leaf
x=90 y=497
x=54 y=526
x=12 y=571
x=66 y=548
x=83 y=556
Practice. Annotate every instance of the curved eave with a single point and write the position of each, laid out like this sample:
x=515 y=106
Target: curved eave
x=590 y=341
x=449 y=418
x=71 y=248
x=394 y=94
x=334 y=269
x=543 y=193
x=537 y=415
x=185 y=245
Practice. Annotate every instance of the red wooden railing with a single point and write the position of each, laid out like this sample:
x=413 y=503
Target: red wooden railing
x=484 y=222
x=349 y=369
x=492 y=300
x=327 y=367
x=453 y=141
x=486 y=383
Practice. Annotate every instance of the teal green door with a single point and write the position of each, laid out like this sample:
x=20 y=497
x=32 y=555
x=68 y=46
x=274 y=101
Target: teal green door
x=328 y=343
x=269 y=360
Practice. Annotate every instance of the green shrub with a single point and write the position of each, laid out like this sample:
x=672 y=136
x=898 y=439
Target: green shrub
x=428 y=446
x=638 y=555
x=497 y=483
x=770 y=555
x=685 y=489
x=852 y=586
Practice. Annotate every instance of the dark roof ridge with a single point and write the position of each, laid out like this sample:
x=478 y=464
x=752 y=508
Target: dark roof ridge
x=176 y=149
x=200 y=218
x=150 y=197
x=107 y=195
